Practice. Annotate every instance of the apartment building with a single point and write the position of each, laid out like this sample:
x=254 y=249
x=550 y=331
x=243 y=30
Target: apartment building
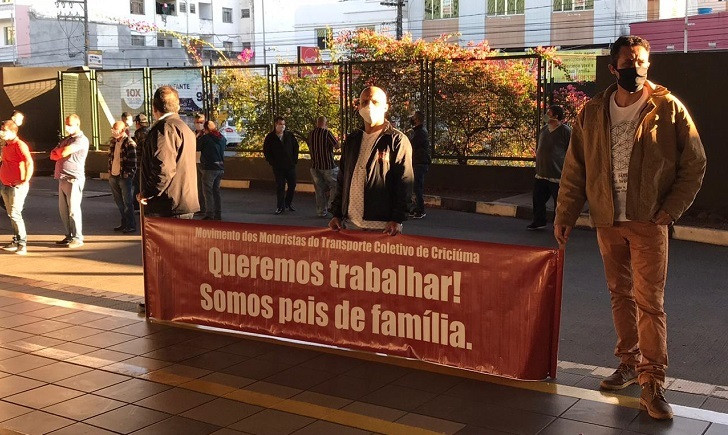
x=506 y=24
x=123 y=32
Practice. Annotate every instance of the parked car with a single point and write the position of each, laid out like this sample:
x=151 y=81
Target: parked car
x=231 y=133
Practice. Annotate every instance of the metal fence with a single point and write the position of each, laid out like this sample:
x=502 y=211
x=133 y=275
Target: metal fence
x=475 y=110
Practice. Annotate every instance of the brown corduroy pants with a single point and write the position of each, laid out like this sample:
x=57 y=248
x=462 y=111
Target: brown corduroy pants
x=635 y=264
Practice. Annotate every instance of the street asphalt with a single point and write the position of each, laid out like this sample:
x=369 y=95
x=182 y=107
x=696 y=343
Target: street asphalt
x=696 y=294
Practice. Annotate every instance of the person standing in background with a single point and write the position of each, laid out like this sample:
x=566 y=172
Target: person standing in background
x=281 y=152
x=15 y=174
x=553 y=141
x=70 y=157
x=122 y=170
x=321 y=143
x=211 y=145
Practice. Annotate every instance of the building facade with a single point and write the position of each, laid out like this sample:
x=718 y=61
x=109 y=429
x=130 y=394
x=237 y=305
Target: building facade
x=126 y=33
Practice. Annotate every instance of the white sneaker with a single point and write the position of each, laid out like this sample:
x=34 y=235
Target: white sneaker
x=11 y=247
x=22 y=250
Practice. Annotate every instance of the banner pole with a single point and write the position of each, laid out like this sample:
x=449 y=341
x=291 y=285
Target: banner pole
x=557 y=312
x=142 y=222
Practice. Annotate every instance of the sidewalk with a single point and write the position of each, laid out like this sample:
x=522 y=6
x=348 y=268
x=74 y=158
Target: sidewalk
x=76 y=357
x=71 y=368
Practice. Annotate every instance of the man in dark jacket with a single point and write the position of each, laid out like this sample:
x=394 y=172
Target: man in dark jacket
x=122 y=169
x=420 y=162
x=211 y=146
x=281 y=151
x=141 y=122
x=168 y=185
x=375 y=172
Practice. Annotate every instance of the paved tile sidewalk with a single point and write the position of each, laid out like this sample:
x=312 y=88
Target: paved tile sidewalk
x=68 y=368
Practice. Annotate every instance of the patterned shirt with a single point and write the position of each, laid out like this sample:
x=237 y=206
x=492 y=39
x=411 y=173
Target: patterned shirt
x=624 y=122
x=322 y=142
x=358 y=182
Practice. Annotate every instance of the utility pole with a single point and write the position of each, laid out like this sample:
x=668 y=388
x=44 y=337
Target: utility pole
x=400 y=6
x=75 y=15
x=262 y=10
x=685 y=32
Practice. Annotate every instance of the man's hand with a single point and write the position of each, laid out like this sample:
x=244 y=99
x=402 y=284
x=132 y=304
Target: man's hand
x=335 y=224
x=142 y=201
x=392 y=228
x=662 y=218
x=561 y=232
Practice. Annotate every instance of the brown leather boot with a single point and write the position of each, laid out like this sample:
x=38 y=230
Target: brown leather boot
x=623 y=377
x=653 y=399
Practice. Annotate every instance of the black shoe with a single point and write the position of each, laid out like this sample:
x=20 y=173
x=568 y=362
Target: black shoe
x=536 y=226
x=119 y=228
x=128 y=230
x=418 y=215
x=279 y=210
x=64 y=242
x=290 y=207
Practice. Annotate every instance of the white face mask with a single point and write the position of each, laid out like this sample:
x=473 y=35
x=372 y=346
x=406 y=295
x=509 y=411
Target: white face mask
x=372 y=114
x=70 y=130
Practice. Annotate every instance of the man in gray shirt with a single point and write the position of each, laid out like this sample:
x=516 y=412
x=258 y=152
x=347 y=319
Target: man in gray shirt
x=70 y=157
x=553 y=141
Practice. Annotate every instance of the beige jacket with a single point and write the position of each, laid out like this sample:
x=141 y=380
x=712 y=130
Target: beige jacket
x=665 y=171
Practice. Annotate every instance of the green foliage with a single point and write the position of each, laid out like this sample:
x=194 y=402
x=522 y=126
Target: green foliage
x=483 y=105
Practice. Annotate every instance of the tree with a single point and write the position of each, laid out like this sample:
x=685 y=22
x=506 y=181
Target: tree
x=483 y=104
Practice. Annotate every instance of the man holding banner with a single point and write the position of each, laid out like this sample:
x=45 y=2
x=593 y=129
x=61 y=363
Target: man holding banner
x=375 y=172
x=636 y=156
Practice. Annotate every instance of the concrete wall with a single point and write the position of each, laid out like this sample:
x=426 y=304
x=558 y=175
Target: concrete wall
x=441 y=177
x=696 y=79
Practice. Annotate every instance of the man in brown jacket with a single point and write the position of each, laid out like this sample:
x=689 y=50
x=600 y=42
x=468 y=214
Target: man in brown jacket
x=636 y=156
x=168 y=184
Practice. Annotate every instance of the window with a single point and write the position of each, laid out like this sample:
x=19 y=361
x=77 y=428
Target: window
x=138 y=40
x=227 y=15
x=573 y=5
x=227 y=46
x=245 y=13
x=246 y=45
x=137 y=7
x=183 y=7
x=193 y=8
x=436 y=9
x=506 y=7
x=163 y=41
x=166 y=7
x=9 y=35
x=321 y=37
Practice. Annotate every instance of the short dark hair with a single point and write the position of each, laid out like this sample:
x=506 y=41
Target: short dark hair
x=419 y=116
x=10 y=125
x=125 y=115
x=626 y=41
x=278 y=118
x=166 y=100
x=558 y=111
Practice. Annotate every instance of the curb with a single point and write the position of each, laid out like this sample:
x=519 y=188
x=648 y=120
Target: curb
x=680 y=232
x=690 y=234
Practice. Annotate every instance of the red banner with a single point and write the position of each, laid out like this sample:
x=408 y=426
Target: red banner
x=479 y=306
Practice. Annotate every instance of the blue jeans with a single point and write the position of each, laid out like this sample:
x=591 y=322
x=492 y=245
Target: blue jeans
x=123 y=191
x=211 y=184
x=14 y=199
x=324 y=182
x=419 y=187
x=70 y=194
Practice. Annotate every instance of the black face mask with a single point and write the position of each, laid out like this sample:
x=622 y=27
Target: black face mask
x=632 y=79
x=412 y=122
